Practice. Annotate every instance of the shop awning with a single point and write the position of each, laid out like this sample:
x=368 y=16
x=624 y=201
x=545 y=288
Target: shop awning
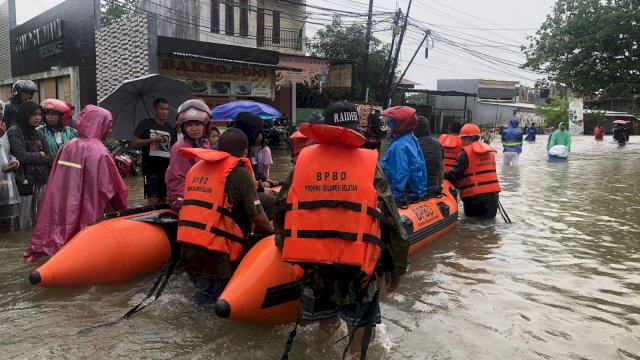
x=239 y=62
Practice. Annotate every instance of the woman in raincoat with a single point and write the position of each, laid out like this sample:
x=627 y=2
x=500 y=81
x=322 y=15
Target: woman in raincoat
x=84 y=184
x=403 y=163
x=54 y=128
x=9 y=196
x=35 y=157
x=194 y=119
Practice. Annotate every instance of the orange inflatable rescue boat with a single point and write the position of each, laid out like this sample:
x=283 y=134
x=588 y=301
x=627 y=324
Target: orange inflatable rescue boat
x=124 y=245
x=266 y=290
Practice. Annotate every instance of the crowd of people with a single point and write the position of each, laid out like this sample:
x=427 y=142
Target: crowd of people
x=220 y=184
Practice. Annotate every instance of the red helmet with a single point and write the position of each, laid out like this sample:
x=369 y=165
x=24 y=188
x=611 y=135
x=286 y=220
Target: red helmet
x=405 y=117
x=58 y=106
x=194 y=110
x=470 y=130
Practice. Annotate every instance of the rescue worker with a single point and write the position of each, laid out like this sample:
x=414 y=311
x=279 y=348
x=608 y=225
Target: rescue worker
x=335 y=235
x=474 y=174
x=21 y=91
x=452 y=144
x=54 y=128
x=404 y=163
x=598 y=132
x=194 y=119
x=220 y=205
x=512 y=143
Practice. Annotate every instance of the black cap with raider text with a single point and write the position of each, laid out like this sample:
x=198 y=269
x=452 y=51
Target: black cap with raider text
x=343 y=114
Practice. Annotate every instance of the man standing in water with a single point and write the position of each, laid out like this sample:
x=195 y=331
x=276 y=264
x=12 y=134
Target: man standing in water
x=474 y=174
x=512 y=143
x=155 y=137
x=335 y=235
x=560 y=137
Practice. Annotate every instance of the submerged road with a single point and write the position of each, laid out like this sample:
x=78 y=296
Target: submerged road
x=561 y=282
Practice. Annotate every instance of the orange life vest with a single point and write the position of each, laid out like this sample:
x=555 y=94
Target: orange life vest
x=206 y=218
x=332 y=215
x=298 y=142
x=480 y=176
x=452 y=145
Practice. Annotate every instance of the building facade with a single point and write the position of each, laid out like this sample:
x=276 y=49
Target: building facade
x=495 y=104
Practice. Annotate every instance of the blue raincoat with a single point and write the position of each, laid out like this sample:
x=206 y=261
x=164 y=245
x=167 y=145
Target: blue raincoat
x=404 y=166
x=512 y=137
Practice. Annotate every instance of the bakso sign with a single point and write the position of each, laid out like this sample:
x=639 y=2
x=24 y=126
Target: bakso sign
x=43 y=37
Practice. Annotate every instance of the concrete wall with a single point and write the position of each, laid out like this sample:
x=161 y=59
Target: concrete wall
x=191 y=19
x=456 y=102
x=121 y=56
x=5 y=43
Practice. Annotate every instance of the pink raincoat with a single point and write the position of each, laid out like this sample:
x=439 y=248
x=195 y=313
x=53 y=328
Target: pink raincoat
x=177 y=171
x=83 y=180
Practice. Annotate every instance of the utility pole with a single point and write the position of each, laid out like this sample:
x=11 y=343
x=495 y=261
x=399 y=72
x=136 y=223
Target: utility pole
x=387 y=64
x=426 y=35
x=395 y=60
x=364 y=92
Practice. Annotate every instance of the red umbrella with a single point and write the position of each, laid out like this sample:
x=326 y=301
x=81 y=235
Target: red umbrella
x=623 y=122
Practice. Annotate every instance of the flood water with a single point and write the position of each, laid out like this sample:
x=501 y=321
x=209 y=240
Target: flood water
x=561 y=282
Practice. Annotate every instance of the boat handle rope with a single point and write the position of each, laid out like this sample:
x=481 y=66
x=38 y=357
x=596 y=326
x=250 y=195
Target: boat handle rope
x=503 y=213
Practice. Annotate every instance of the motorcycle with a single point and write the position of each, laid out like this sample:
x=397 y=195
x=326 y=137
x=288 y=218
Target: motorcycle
x=128 y=160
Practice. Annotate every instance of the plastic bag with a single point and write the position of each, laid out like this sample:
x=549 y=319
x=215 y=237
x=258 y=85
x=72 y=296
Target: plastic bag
x=559 y=151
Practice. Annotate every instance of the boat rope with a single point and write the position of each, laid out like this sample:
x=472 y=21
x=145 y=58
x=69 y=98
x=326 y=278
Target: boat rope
x=503 y=213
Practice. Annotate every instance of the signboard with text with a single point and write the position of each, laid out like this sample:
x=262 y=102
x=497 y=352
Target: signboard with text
x=314 y=70
x=576 y=116
x=205 y=77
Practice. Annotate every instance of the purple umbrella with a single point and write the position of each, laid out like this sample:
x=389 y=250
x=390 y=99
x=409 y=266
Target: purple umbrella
x=623 y=122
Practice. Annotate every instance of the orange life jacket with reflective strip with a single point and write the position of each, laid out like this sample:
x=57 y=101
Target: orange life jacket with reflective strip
x=332 y=215
x=298 y=142
x=452 y=145
x=480 y=177
x=206 y=218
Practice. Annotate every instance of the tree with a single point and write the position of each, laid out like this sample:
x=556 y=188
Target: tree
x=554 y=111
x=340 y=42
x=421 y=99
x=591 y=46
x=115 y=12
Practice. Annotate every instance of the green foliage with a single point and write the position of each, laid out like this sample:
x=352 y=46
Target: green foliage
x=554 y=111
x=112 y=13
x=592 y=46
x=340 y=42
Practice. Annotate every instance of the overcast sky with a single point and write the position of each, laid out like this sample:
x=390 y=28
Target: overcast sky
x=491 y=28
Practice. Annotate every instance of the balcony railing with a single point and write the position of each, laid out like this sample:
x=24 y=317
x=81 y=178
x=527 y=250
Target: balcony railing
x=287 y=39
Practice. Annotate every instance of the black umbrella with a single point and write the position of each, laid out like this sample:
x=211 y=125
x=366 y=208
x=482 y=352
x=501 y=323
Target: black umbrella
x=132 y=102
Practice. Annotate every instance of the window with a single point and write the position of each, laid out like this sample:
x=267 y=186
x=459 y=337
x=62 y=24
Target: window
x=244 y=17
x=276 y=27
x=260 y=30
x=229 y=18
x=215 y=16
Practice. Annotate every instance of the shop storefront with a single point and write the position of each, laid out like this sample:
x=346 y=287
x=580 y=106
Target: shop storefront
x=57 y=51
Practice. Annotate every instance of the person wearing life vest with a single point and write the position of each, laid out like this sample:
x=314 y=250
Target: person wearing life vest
x=299 y=141
x=329 y=219
x=474 y=174
x=404 y=163
x=219 y=209
x=194 y=119
x=512 y=143
x=452 y=144
x=598 y=132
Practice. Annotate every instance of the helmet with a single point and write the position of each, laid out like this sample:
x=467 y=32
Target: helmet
x=405 y=118
x=194 y=110
x=58 y=106
x=470 y=130
x=21 y=86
